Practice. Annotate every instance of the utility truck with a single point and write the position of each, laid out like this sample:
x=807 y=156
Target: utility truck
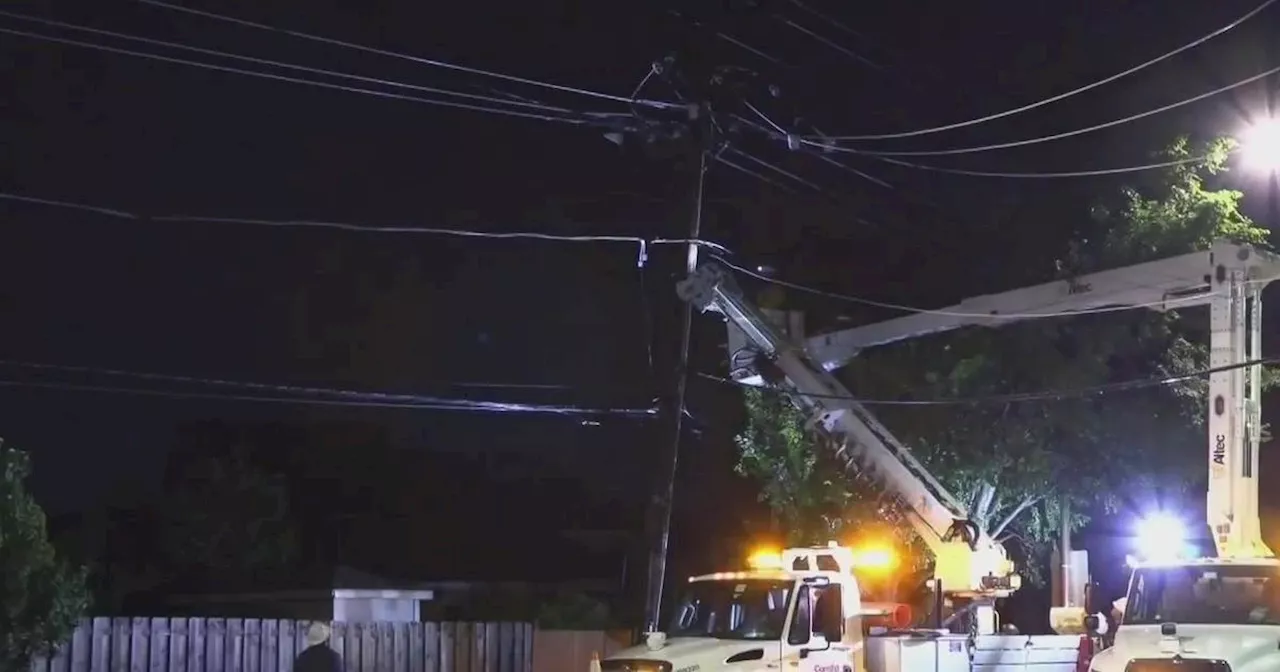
x=1184 y=614
x=801 y=608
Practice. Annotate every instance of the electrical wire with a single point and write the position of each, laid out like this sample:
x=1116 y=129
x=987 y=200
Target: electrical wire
x=1048 y=395
x=1064 y=134
x=296 y=80
x=280 y=64
x=489 y=408
x=1062 y=96
x=1041 y=175
x=219 y=382
x=777 y=169
x=407 y=57
x=819 y=150
x=1172 y=302
x=776 y=130
x=643 y=243
x=763 y=178
x=355 y=396
x=110 y=212
x=834 y=45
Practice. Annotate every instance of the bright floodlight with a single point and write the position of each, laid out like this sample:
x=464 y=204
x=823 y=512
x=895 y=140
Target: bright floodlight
x=1161 y=536
x=1260 y=147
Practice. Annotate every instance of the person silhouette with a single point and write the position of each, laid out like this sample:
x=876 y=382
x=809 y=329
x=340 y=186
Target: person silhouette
x=317 y=657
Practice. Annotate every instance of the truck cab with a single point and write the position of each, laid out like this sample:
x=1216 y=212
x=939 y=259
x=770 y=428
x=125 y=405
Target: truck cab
x=1201 y=615
x=801 y=610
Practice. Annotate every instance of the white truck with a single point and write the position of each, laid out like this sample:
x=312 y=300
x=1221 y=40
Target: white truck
x=971 y=568
x=805 y=610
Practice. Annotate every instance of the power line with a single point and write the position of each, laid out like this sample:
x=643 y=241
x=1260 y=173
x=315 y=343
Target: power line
x=819 y=150
x=354 y=396
x=489 y=407
x=110 y=212
x=288 y=389
x=1055 y=136
x=1061 y=96
x=759 y=176
x=1048 y=395
x=856 y=35
x=777 y=169
x=296 y=80
x=774 y=127
x=643 y=243
x=1044 y=175
x=792 y=142
x=1172 y=302
x=407 y=57
x=280 y=64
x=834 y=45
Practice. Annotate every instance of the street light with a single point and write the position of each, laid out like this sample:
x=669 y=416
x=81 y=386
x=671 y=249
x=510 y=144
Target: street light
x=1260 y=147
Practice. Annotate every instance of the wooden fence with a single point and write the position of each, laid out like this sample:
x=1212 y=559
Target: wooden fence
x=253 y=645
x=570 y=650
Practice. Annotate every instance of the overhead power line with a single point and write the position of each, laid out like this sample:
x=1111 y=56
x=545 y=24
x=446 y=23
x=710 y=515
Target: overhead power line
x=288 y=66
x=1172 y=302
x=1062 y=96
x=1043 y=175
x=303 y=394
x=305 y=401
x=643 y=243
x=1055 y=136
x=834 y=45
x=757 y=175
x=819 y=150
x=416 y=59
x=775 y=168
x=580 y=120
x=1047 y=395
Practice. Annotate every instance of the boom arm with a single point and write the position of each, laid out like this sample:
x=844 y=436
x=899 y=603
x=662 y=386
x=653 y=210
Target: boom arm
x=1229 y=278
x=967 y=560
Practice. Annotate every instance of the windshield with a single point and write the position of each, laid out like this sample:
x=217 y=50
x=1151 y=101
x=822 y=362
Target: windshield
x=747 y=609
x=1220 y=595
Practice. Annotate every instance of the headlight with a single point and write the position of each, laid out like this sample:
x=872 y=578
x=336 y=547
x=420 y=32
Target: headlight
x=634 y=666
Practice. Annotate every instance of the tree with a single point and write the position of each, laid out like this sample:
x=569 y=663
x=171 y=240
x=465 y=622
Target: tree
x=1093 y=451
x=812 y=500
x=41 y=598
x=228 y=516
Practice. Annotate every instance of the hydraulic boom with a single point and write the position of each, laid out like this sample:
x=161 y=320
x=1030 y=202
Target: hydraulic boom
x=1229 y=278
x=967 y=560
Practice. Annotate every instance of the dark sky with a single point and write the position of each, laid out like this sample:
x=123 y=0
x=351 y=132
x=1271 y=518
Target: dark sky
x=414 y=313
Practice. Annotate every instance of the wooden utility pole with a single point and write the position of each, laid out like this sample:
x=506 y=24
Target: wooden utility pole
x=699 y=159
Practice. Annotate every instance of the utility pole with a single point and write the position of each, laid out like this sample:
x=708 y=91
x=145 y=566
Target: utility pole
x=700 y=147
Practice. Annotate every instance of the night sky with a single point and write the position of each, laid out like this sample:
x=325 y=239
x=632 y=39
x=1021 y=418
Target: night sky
x=421 y=313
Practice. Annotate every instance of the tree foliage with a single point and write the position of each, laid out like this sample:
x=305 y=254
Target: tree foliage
x=1126 y=447
x=228 y=516
x=41 y=598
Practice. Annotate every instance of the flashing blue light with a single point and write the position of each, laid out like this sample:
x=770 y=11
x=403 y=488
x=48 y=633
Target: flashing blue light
x=1161 y=537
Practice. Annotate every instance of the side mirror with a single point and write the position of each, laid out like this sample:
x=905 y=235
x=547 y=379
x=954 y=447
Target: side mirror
x=816 y=643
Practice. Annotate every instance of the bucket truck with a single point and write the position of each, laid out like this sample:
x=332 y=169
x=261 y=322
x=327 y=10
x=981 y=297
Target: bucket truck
x=801 y=606
x=1184 y=614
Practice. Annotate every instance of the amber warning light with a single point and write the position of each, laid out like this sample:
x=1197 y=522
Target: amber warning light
x=765 y=559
